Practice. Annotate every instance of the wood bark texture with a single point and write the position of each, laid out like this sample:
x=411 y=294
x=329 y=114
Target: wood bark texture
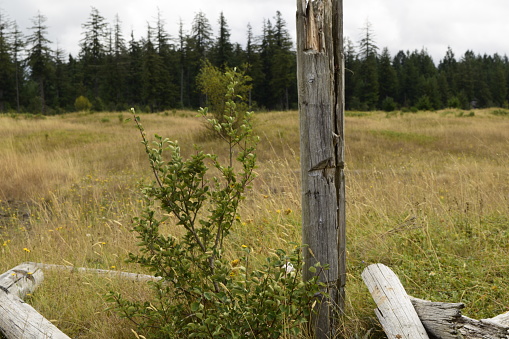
x=17 y=319
x=395 y=310
x=110 y=273
x=440 y=320
x=321 y=107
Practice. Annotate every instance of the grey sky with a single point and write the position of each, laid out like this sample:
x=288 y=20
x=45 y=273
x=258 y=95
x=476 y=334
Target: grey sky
x=397 y=24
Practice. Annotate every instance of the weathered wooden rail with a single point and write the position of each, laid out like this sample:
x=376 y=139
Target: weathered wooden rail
x=20 y=320
x=17 y=318
x=405 y=317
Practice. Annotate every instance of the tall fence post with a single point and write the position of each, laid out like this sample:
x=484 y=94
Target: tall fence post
x=320 y=68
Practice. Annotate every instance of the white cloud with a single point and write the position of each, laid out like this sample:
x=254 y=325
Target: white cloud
x=397 y=24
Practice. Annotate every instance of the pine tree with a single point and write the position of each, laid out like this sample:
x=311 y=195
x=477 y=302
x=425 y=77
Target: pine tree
x=222 y=50
x=387 y=78
x=93 y=51
x=135 y=73
x=39 y=59
x=7 y=67
x=169 y=65
x=115 y=69
x=254 y=64
x=18 y=45
x=351 y=75
x=368 y=75
x=283 y=82
x=201 y=35
x=448 y=70
x=498 y=82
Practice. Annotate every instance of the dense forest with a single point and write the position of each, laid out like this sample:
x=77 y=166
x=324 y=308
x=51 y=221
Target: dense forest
x=158 y=72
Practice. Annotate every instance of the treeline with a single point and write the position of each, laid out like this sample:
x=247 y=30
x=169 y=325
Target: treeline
x=158 y=72
x=154 y=73
x=411 y=80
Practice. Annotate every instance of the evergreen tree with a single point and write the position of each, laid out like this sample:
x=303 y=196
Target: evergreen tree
x=201 y=35
x=254 y=64
x=135 y=73
x=93 y=51
x=18 y=45
x=182 y=58
x=156 y=86
x=39 y=59
x=7 y=67
x=351 y=75
x=427 y=81
x=388 y=81
x=367 y=45
x=498 y=82
x=198 y=46
x=222 y=52
x=63 y=96
x=169 y=65
x=368 y=74
x=116 y=63
x=283 y=80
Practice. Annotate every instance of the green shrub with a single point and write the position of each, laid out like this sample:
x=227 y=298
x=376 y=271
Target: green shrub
x=388 y=104
x=214 y=84
x=424 y=103
x=201 y=293
x=453 y=102
x=500 y=112
x=82 y=104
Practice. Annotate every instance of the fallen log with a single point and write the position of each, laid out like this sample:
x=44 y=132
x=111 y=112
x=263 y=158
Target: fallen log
x=111 y=273
x=395 y=311
x=18 y=319
x=440 y=320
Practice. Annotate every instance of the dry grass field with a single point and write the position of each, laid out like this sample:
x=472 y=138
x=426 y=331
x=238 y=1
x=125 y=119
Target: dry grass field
x=427 y=195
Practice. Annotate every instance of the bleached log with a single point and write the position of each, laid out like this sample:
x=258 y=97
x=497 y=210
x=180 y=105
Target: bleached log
x=395 y=311
x=112 y=273
x=18 y=319
x=502 y=319
x=440 y=320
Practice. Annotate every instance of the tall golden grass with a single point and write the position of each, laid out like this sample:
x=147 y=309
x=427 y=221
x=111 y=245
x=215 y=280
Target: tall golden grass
x=427 y=194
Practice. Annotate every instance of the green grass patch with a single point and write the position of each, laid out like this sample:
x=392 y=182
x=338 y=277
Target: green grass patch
x=500 y=112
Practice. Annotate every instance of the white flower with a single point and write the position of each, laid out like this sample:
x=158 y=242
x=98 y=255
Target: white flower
x=288 y=267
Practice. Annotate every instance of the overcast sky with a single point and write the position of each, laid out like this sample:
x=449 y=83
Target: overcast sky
x=397 y=24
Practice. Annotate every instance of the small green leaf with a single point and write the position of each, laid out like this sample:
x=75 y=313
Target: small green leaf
x=195 y=306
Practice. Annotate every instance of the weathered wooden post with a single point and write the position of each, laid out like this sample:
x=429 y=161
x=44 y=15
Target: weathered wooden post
x=320 y=69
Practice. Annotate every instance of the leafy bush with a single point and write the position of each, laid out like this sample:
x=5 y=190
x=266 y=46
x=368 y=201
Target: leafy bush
x=82 y=104
x=424 y=103
x=388 y=104
x=201 y=293
x=500 y=112
x=454 y=102
x=214 y=84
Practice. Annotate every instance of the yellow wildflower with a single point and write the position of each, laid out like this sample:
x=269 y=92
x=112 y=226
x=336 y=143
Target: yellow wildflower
x=235 y=262
x=26 y=250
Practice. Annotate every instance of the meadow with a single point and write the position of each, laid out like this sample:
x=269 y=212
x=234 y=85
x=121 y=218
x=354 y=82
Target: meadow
x=427 y=195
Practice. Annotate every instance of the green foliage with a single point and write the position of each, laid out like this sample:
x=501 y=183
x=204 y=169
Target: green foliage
x=454 y=102
x=202 y=294
x=214 y=84
x=424 y=103
x=389 y=105
x=500 y=112
x=82 y=104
